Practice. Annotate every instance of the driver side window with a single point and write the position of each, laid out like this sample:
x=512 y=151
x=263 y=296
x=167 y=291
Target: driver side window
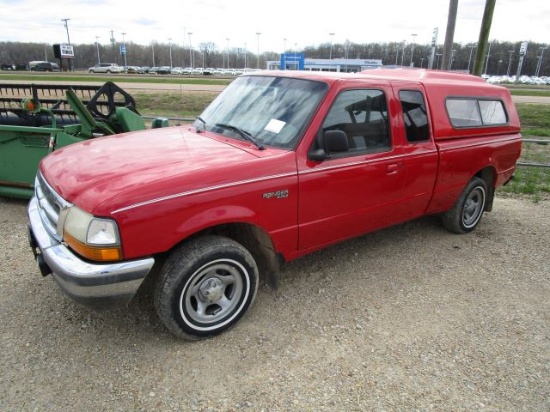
x=363 y=116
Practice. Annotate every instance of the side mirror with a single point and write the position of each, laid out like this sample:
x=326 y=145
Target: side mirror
x=331 y=141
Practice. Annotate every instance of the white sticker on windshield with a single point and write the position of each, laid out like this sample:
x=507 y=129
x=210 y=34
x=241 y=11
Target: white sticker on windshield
x=275 y=126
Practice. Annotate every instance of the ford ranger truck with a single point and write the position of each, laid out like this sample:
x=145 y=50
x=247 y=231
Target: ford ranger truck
x=279 y=165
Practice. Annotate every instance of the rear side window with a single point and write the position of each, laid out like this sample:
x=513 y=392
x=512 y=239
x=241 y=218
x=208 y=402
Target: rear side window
x=414 y=116
x=472 y=112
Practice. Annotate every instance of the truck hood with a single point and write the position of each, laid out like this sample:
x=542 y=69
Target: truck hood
x=140 y=166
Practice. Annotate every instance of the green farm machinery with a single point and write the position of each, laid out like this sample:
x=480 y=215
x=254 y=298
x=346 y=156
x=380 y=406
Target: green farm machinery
x=36 y=119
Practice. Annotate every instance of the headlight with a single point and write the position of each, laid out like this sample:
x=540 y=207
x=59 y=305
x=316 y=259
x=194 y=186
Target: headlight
x=91 y=237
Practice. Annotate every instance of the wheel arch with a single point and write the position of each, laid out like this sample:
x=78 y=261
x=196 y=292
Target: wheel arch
x=489 y=175
x=256 y=240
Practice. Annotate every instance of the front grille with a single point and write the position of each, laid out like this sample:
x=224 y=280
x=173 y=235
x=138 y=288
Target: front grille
x=50 y=206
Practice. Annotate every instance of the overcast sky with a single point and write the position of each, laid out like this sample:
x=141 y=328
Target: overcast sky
x=234 y=23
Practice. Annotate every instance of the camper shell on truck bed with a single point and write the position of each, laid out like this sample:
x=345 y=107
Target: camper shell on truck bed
x=279 y=165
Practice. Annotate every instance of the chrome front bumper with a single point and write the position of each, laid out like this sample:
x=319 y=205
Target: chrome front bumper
x=99 y=286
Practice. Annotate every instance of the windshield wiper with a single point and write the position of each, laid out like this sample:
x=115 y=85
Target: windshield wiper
x=200 y=119
x=243 y=133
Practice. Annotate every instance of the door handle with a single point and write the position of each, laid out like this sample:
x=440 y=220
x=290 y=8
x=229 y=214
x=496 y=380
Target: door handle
x=392 y=169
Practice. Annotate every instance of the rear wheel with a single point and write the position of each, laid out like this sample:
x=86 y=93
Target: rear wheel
x=468 y=209
x=205 y=287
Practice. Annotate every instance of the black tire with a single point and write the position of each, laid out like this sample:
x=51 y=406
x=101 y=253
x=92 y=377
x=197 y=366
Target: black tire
x=468 y=209
x=205 y=287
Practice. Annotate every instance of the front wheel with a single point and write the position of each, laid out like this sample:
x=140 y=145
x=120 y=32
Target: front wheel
x=468 y=209
x=205 y=287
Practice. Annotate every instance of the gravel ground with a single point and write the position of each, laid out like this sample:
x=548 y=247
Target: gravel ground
x=412 y=318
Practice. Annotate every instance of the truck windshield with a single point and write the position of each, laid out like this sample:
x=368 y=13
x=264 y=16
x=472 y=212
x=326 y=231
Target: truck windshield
x=274 y=111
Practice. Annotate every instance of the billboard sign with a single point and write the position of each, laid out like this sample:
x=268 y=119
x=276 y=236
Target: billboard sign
x=66 y=51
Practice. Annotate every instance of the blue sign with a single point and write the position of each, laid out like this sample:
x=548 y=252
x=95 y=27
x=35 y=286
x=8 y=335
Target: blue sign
x=123 y=49
x=292 y=61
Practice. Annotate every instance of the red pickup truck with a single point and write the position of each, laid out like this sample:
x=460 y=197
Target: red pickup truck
x=281 y=164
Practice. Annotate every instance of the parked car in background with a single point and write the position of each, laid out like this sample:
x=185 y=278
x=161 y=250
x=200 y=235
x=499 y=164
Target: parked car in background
x=43 y=66
x=106 y=68
x=176 y=70
x=132 y=69
x=164 y=70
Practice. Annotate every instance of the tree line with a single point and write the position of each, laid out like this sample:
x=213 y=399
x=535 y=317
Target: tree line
x=501 y=59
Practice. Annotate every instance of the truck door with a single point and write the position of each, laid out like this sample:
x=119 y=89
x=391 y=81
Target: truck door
x=420 y=156
x=358 y=190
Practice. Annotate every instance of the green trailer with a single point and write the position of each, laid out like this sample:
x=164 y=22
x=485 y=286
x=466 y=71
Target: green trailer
x=36 y=119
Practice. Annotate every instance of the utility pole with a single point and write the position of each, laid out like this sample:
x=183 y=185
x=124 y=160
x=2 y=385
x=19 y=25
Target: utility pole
x=449 y=35
x=483 y=42
x=68 y=41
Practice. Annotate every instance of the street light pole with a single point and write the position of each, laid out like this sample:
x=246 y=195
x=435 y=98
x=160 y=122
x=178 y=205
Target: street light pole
x=124 y=52
x=540 y=60
x=258 y=34
x=509 y=63
x=330 y=55
x=453 y=52
x=412 y=48
x=396 y=53
x=227 y=38
x=170 y=49
x=488 y=56
x=470 y=59
x=97 y=46
x=190 y=52
x=113 y=43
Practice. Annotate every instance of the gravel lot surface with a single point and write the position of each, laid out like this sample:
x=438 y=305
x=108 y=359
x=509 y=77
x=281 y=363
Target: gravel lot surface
x=412 y=318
